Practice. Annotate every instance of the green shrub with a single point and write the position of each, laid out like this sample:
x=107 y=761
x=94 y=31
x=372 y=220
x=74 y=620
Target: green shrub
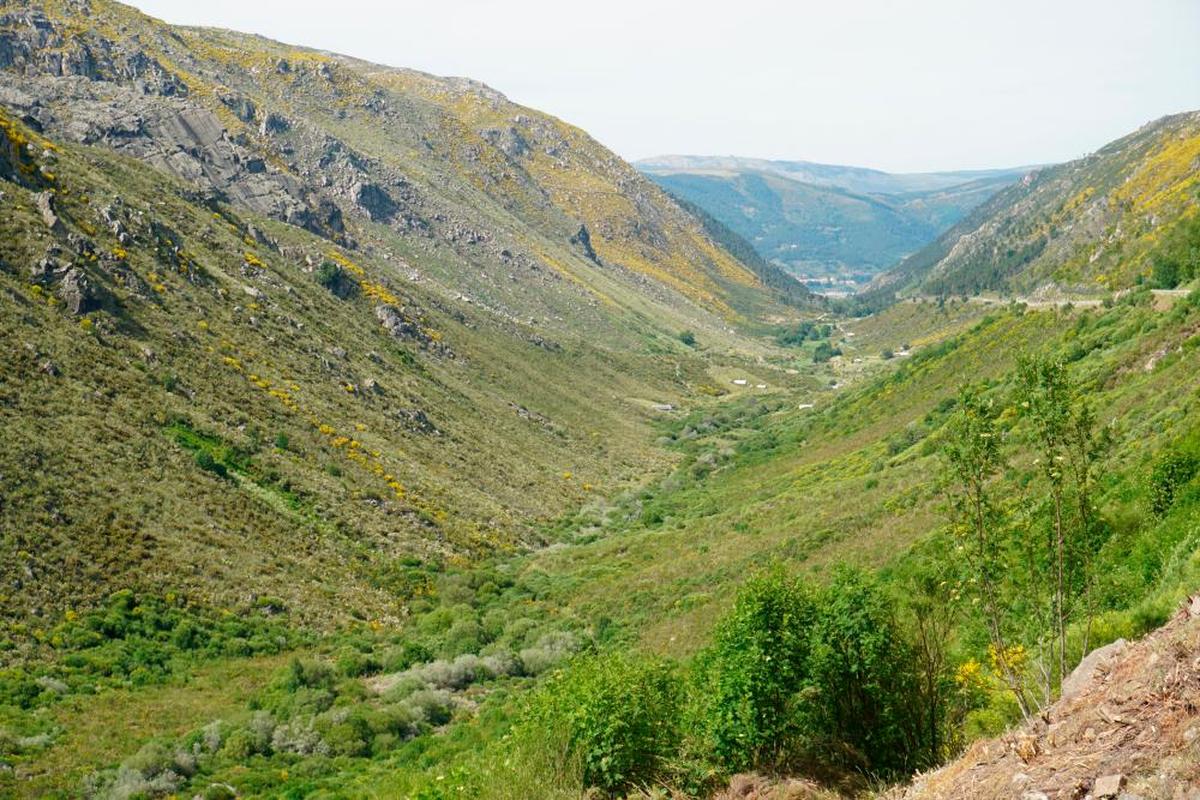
x=796 y=672
x=353 y=664
x=350 y=736
x=239 y=746
x=1165 y=273
x=824 y=351
x=1170 y=474
x=464 y=636
x=205 y=461
x=864 y=692
x=335 y=279
x=688 y=338
x=306 y=675
x=801 y=332
x=747 y=680
x=614 y=718
x=402 y=656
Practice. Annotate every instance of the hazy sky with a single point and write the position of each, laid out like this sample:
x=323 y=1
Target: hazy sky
x=918 y=85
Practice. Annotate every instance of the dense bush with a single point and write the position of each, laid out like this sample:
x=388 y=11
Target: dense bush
x=749 y=677
x=335 y=279
x=801 y=332
x=824 y=351
x=615 y=716
x=1170 y=474
x=1177 y=260
x=798 y=671
x=863 y=699
x=138 y=639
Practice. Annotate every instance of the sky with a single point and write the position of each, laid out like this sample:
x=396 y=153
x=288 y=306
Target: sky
x=901 y=86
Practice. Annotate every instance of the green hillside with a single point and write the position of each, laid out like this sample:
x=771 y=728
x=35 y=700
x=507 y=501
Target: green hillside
x=346 y=325
x=1123 y=215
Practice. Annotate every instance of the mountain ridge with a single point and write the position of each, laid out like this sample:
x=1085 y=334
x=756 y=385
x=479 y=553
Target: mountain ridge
x=855 y=178
x=1087 y=226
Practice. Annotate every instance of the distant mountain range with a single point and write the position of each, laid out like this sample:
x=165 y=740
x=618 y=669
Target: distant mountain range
x=830 y=224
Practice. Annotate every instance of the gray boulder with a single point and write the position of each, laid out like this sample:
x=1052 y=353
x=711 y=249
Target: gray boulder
x=1080 y=676
x=78 y=292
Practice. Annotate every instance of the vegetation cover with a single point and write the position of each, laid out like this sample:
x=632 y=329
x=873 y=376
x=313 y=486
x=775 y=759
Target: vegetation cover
x=495 y=472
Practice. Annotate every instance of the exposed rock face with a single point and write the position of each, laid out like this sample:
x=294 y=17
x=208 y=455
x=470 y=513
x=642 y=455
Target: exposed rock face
x=378 y=204
x=177 y=137
x=415 y=420
x=325 y=219
x=266 y=135
x=1132 y=725
x=1083 y=673
x=274 y=123
x=242 y=106
x=47 y=268
x=1108 y=786
x=30 y=44
x=508 y=140
x=402 y=326
x=397 y=323
x=583 y=240
x=77 y=292
x=45 y=206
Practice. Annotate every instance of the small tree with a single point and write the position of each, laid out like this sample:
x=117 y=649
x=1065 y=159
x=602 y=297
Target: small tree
x=1044 y=394
x=973 y=458
x=931 y=603
x=1064 y=429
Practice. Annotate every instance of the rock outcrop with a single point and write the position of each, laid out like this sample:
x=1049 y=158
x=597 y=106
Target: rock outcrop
x=1128 y=727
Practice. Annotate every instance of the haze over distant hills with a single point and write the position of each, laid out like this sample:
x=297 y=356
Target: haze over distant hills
x=831 y=225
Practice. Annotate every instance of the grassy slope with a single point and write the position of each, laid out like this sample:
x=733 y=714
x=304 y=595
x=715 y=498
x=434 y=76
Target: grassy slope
x=841 y=482
x=208 y=351
x=554 y=370
x=1090 y=225
x=846 y=482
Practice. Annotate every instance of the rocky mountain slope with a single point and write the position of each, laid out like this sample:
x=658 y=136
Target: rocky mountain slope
x=323 y=142
x=288 y=323
x=1087 y=226
x=820 y=220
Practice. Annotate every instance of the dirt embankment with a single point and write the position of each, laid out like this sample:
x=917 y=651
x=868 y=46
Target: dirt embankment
x=1129 y=729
